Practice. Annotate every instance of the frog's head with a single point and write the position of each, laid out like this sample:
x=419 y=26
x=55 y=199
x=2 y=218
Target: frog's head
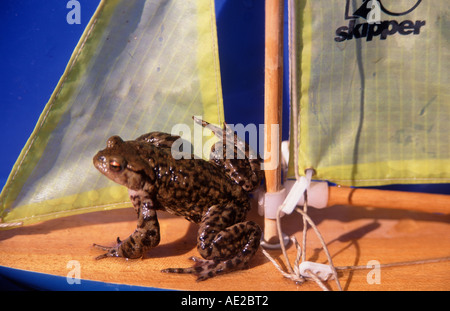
x=120 y=162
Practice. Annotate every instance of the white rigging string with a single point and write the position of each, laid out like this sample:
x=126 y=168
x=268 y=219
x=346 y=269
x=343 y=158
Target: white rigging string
x=323 y=272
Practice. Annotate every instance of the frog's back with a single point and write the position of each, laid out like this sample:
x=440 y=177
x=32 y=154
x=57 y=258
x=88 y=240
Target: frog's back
x=194 y=185
x=189 y=186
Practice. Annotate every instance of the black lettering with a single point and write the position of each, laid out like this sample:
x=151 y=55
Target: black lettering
x=417 y=26
x=353 y=30
x=374 y=30
x=341 y=34
x=387 y=30
x=364 y=29
x=383 y=30
x=406 y=27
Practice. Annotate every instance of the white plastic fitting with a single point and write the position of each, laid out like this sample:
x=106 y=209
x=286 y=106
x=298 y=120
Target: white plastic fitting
x=322 y=271
x=292 y=195
x=317 y=193
x=270 y=203
x=267 y=245
x=296 y=192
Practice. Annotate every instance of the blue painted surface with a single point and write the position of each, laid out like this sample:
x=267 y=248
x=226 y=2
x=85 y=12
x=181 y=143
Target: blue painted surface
x=17 y=279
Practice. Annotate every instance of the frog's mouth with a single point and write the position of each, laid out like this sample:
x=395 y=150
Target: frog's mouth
x=100 y=163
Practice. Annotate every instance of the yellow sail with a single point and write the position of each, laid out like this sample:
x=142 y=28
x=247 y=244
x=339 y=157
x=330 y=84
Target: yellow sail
x=140 y=66
x=373 y=101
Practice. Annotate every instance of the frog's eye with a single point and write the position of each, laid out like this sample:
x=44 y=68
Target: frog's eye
x=115 y=166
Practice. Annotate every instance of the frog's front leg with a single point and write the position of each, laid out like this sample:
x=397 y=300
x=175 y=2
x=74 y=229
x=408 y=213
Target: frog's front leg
x=225 y=241
x=141 y=240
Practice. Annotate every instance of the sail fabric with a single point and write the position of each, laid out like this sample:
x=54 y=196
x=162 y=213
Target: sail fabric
x=372 y=80
x=140 y=66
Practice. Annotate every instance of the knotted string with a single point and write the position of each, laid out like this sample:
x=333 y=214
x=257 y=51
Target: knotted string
x=294 y=272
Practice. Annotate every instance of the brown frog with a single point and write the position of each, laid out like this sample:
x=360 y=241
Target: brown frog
x=213 y=194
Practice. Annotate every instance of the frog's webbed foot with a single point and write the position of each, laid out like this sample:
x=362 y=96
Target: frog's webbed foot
x=204 y=269
x=228 y=250
x=145 y=237
x=112 y=251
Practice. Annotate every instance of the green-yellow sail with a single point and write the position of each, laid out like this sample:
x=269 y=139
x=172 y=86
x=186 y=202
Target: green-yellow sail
x=373 y=101
x=140 y=66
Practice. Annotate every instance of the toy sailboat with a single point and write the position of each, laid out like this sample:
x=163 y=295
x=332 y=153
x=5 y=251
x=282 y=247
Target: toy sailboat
x=368 y=108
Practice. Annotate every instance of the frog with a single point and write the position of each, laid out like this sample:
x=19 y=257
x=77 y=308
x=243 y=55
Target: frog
x=213 y=193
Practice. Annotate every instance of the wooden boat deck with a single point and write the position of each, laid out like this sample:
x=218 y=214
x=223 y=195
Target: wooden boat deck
x=354 y=236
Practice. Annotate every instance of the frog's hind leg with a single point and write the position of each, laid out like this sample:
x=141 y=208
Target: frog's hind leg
x=207 y=268
x=224 y=248
x=235 y=156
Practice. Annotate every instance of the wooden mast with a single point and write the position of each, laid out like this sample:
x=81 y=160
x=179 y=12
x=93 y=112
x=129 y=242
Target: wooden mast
x=273 y=96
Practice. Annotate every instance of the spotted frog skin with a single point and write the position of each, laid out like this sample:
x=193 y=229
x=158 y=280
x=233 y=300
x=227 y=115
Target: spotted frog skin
x=213 y=194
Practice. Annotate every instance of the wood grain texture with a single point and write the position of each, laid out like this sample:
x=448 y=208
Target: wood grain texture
x=423 y=202
x=273 y=89
x=354 y=235
x=273 y=104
